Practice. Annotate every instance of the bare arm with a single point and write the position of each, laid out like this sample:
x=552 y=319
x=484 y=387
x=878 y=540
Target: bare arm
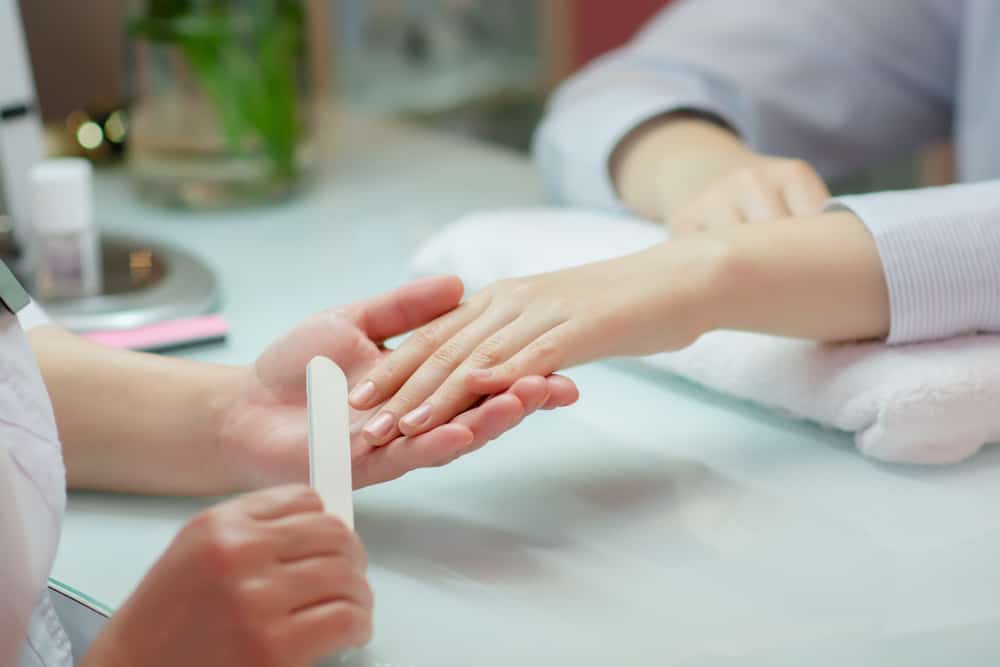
x=131 y=421
x=817 y=277
x=149 y=424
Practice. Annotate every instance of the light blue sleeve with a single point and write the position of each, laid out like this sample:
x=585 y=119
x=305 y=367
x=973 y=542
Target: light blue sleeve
x=940 y=251
x=840 y=84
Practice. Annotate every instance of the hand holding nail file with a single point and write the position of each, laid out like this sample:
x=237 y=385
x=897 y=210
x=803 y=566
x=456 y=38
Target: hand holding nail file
x=330 y=438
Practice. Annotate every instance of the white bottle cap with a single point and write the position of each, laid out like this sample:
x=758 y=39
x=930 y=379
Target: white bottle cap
x=61 y=195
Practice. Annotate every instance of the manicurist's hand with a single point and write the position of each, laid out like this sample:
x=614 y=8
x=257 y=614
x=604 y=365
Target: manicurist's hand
x=264 y=580
x=146 y=423
x=696 y=176
x=263 y=428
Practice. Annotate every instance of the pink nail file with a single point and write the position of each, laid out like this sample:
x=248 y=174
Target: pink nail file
x=330 y=438
x=165 y=335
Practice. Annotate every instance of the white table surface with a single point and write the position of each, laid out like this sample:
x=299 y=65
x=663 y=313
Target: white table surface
x=654 y=523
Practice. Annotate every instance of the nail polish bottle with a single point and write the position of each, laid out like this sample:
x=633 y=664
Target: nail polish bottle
x=65 y=250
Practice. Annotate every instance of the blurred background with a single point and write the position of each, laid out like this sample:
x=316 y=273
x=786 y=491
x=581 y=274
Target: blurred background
x=148 y=74
x=341 y=108
x=469 y=66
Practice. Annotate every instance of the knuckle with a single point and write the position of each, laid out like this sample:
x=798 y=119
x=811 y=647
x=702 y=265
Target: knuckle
x=426 y=337
x=488 y=354
x=339 y=580
x=225 y=551
x=504 y=290
x=796 y=168
x=305 y=495
x=387 y=370
x=546 y=352
x=560 y=308
x=351 y=623
x=338 y=534
x=358 y=558
x=248 y=601
x=447 y=354
x=750 y=177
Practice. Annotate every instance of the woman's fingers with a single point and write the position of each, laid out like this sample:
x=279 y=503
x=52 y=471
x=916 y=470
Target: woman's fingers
x=435 y=368
x=403 y=454
x=771 y=189
x=466 y=432
x=322 y=629
x=314 y=534
x=407 y=307
x=760 y=199
x=438 y=389
x=543 y=356
x=390 y=373
x=804 y=191
x=533 y=392
x=562 y=392
x=324 y=579
x=276 y=502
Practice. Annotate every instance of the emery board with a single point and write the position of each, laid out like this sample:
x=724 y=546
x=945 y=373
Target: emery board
x=330 y=438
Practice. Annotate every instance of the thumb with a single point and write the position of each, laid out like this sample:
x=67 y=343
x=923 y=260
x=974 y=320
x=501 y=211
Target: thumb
x=408 y=307
x=282 y=365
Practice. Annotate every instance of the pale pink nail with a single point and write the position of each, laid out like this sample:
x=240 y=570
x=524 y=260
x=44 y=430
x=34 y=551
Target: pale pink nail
x=380 y=426
x=363 y=393
x=419 y=416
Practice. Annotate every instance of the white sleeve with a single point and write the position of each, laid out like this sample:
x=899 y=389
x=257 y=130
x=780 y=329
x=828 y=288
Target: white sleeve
x=16 y=582
x=839 y=84
x=32 y=316
x=940 y=252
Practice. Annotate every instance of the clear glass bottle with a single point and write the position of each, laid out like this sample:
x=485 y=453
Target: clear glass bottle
x=221 y=106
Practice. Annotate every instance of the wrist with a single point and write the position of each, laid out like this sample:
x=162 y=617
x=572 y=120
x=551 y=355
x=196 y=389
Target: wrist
x=224 y=401
x=672 y=298
x=699 y=273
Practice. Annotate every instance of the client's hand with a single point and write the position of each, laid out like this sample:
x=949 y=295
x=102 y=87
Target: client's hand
x=758 y=188
x=264 y=431
x=532 y=326
x=696 y=175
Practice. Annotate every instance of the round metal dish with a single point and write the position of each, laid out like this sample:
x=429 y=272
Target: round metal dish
x=144 y=283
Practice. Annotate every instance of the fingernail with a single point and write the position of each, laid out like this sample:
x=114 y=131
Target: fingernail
x=419 y=416
x=363 y=393
x=481 y=373
x=380 y=426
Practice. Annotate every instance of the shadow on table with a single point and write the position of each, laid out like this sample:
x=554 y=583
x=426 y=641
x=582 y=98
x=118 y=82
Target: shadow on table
x=530 y=518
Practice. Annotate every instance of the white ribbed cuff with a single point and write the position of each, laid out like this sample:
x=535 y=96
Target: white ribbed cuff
x=940 y=251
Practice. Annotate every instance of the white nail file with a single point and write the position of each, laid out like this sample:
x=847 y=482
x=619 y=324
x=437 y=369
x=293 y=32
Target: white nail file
x=330 y=438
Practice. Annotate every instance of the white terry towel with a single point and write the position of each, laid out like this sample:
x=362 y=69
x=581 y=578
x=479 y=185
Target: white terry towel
x=935 y=402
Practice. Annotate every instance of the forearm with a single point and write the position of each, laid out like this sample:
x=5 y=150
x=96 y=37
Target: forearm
x=660 y=165
x=134 y=422
x=817 y=278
